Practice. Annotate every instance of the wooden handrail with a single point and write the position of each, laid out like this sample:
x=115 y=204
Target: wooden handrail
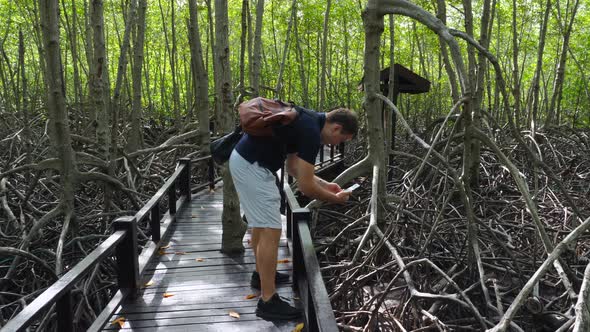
x=60 y=290
x=318 y=312
x=129 y=264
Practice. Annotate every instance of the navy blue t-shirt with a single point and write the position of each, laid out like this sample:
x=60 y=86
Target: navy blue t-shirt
x=302 y=137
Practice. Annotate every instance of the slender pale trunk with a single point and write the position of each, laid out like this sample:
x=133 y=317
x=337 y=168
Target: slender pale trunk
x=279 y=86
x=257 y=55
x=200 y=77
x=135 y=140
x=441 y=14
x=515 y=70
x=346 y=61
x=300 y=65
x=72 y=31
x=554 y=104
x=243 y=39
x=389 y=116
x=24 y=105
x=216 y=87
x=322 y=71
x=99 y=81
x=535 y=85
x=174 y=70
x=233 y=226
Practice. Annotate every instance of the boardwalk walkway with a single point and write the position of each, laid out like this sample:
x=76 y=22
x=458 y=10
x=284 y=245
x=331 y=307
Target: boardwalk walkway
x=194 y=287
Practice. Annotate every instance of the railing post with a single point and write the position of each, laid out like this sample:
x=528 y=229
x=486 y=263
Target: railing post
x=289 y=215
x=341 y=150
x=332 y=148
x=65 y=319
x=126 y=252
x=298 y=264
x=211 y=174
x=172 y=198
x=322 y=154
x=185 y=178
x=155 y=222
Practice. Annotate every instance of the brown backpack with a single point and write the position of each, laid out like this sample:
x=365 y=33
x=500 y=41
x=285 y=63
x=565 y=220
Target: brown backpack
x=259 y=115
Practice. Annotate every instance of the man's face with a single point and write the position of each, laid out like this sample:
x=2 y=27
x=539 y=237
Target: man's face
x=334 y=135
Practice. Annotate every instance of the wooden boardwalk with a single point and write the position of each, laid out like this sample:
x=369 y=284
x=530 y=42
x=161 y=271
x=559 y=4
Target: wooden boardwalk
x=192 y=286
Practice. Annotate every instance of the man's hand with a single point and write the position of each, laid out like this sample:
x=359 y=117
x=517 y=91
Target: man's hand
x=342 y=196
x=333 y=187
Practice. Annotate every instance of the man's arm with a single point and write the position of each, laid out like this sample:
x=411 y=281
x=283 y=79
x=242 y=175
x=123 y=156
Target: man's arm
x=311 y=185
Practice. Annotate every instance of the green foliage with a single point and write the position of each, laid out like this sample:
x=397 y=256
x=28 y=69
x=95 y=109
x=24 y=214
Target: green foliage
x=416 y=47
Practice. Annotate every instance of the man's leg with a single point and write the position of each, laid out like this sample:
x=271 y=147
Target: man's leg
x=266 y=259
x=254 y=243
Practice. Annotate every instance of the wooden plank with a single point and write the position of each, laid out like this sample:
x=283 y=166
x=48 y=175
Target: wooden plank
x=204 y=291
x=64 y=284
x=210 y=296
x=196 y=322
x=242 y=325
x=133 y=309
x=209 y=270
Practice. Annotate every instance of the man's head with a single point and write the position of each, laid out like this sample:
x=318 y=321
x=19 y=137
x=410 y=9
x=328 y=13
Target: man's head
x=341 y=126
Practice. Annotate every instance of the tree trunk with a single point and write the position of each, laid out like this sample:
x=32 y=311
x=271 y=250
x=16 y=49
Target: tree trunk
x=135 y=140
x=24 y=106
x=257 y=55
x=553 y=113
x=537 y=76
x=322 y=71
x=233 y=226
x=57 y=113
x=99 y=81
x=217 y=88
x=515 y=71
x=243 y=39
x=346 y=61
x=300 y=65
x=471 y=147
x=200 y=78
x=174 y=70
x=279 y=86
x=373 y=23
x=72 y=30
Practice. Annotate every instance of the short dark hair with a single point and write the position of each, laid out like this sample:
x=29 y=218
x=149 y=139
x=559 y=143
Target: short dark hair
x=346 y=118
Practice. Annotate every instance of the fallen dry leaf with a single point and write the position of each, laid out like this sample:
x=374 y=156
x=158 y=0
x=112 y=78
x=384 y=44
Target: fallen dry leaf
x=282 y=261
x=234 y=314
x=251 y=296
x=148 y=284
x=120 y=321
x=163 y=252
x=299 y=327
x=199 y=259
x=165 y=247
x=167 y=295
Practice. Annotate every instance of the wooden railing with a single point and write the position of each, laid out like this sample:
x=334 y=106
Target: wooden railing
x=318 y=312
x=307 y=277
x=123 y=241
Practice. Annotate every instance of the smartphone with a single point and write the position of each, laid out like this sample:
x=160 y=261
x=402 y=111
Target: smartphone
x=353 y=187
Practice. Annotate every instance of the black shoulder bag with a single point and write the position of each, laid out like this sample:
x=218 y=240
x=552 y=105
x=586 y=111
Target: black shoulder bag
x=222 y=147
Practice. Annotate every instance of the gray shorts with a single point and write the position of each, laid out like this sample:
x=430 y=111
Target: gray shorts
x=259 y=195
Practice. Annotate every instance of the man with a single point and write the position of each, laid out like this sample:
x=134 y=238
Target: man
x=253 y=165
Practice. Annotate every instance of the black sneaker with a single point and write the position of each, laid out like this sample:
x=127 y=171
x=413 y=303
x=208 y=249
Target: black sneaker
x=276 y=309
x=280 y=278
